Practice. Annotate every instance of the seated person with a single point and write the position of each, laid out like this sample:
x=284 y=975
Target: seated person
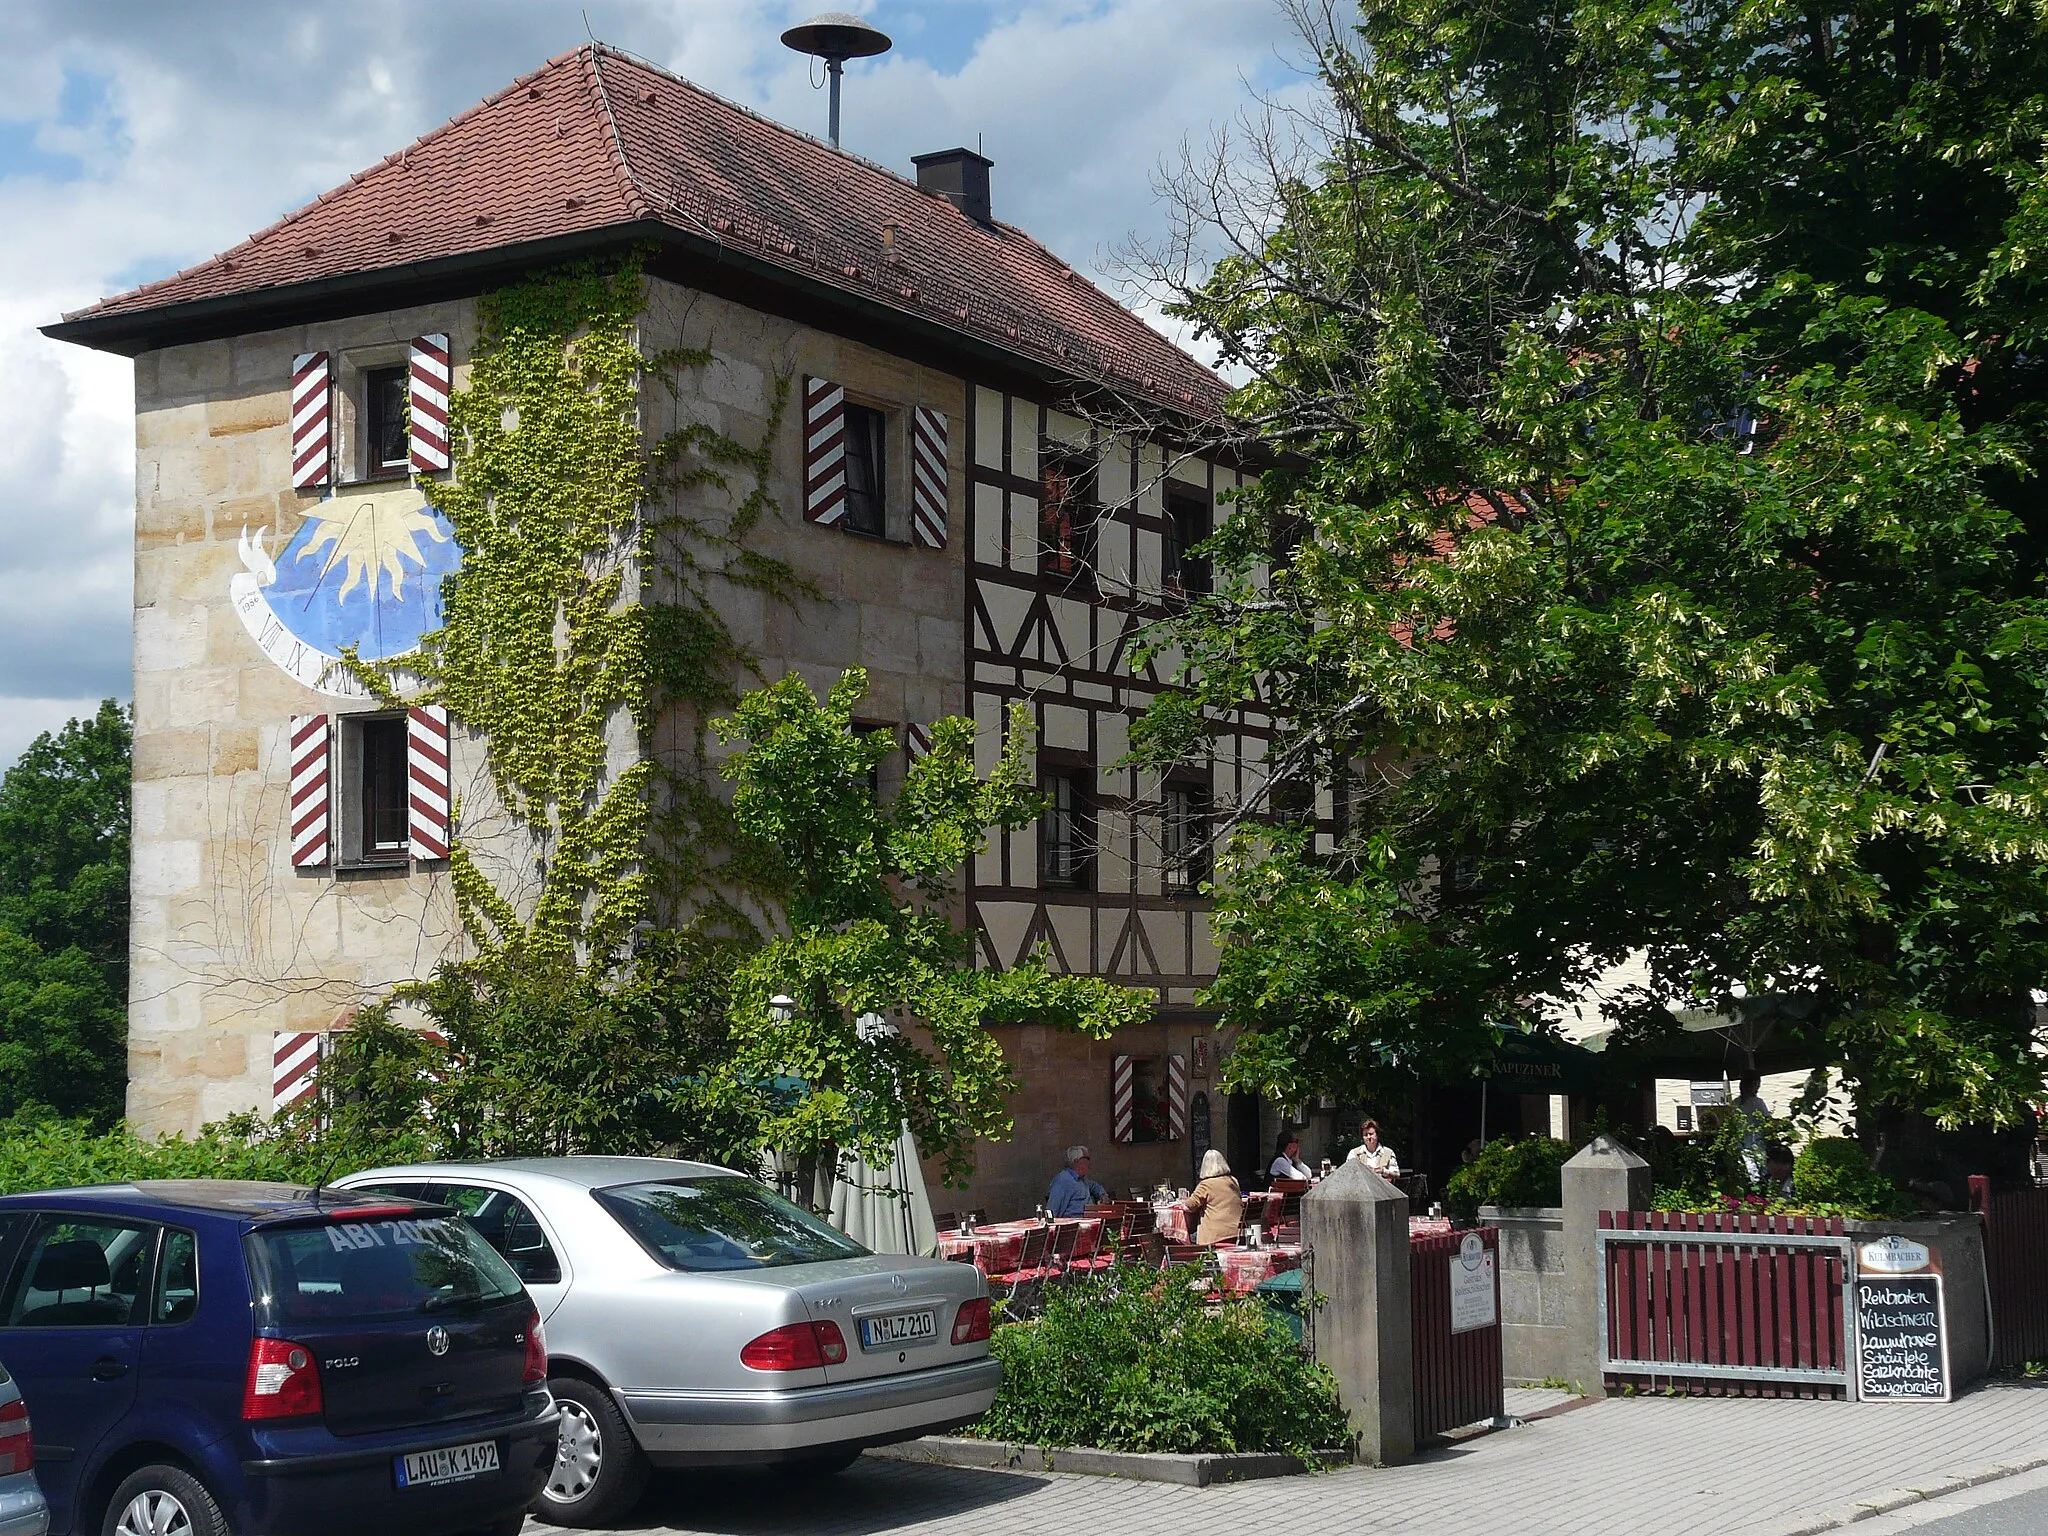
x=1216 y=1205
x=1287 y=1163
x=1072 y=1190
x=1778 y=1171
x=1374 y=1153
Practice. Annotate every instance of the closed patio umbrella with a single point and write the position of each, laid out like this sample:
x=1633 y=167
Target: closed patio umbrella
x=885 y=1208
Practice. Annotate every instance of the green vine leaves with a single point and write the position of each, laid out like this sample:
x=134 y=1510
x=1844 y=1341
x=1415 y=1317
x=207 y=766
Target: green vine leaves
x=866 y=887
x=550 y=648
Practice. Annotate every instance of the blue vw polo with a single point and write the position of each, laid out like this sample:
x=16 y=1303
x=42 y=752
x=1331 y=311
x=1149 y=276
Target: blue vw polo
x=202 y=1358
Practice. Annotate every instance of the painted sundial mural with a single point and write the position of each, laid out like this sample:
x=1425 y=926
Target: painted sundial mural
x=364 y=569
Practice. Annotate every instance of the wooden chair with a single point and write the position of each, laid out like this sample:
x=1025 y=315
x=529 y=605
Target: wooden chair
x=946 y=1221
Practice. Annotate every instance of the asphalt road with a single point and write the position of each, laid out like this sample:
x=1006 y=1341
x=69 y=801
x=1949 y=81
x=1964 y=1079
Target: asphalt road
x=2024 y=1514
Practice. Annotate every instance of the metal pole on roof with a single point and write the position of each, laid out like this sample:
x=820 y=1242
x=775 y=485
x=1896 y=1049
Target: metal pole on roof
x=836 y=37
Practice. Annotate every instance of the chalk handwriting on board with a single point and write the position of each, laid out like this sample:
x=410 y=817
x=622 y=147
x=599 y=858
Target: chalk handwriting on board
x=1901 y=1339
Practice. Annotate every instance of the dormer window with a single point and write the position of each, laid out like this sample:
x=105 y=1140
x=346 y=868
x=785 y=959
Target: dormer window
x=387 y=449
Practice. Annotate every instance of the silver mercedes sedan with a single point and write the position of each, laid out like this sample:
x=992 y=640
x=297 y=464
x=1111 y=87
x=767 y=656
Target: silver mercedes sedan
x=695 y=1318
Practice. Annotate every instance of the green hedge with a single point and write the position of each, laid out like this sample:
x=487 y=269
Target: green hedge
x=1526 y=1171
x=1147 y=1367
x=57 y=1154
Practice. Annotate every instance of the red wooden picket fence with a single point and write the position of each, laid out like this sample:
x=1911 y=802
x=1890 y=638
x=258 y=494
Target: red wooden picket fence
x=1725 y=1304
x=1457 y=1375
x=2016 y=1262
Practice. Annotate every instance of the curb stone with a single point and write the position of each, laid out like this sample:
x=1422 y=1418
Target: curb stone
x=1902 y=1498
x=1195 y=1471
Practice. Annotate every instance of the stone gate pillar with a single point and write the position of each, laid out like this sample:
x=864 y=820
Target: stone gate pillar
x=1356 y=1223
x=1602 y=1176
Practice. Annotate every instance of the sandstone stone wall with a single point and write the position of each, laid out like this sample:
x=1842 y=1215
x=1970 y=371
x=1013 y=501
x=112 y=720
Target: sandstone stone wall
x=230 y=943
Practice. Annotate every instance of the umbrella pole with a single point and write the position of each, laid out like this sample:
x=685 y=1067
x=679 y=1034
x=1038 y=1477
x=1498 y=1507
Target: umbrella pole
x=1482 y=1114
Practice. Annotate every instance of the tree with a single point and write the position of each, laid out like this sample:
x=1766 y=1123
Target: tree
x=64 y=840
x=867 y=897
x=64 y=922
x=1653 y=538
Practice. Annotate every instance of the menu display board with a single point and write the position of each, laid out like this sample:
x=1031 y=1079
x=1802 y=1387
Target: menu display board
x=1472 y=1286
x=1901 y=1325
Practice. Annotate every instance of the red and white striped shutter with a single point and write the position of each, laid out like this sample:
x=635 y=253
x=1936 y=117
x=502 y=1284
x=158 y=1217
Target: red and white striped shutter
x=295 y=1057
x=426 y=756
x=1122 y=1108
x=1176 y=1098
x=427 y=402
x=312 y=795
x=919 y=739
x=928 y=477
x=824 y=451
x=312 y=422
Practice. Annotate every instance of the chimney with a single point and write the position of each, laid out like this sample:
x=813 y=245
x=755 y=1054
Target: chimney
x=960 y=176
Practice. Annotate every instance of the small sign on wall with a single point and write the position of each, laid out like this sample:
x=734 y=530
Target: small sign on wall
x=1901 y=1324
x=1198 y=1056
x=1473 y=1300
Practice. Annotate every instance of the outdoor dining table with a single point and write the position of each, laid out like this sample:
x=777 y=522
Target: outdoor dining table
x=997 y=1247
x=1243 y=1268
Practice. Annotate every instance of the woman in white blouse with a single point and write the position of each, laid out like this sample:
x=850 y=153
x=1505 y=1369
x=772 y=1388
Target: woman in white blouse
x=1287 y=1163
x=1375 y=1154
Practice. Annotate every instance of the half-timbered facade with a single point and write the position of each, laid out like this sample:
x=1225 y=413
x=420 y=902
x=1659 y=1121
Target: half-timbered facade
x=973 y=539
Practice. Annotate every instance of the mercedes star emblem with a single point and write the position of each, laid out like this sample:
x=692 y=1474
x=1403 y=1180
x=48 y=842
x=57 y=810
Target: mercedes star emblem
x=437 y=1340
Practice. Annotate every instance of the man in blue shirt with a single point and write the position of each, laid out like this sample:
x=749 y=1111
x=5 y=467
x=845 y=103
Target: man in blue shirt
x=1072 y=1189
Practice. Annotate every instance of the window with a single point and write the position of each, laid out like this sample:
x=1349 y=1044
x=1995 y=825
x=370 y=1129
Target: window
x=1185 y=573
x=1294 y=803
x=376 y=789
x=507 y=1225
x=80 y=1273
x=1188 y=832
x=722 y=1223
x=386 y=446
x=1066 y=514
x=177 y=1281
x=867 y=471
x=1066 y=833
x=386 y=1267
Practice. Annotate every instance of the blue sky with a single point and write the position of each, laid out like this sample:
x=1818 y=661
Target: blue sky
x=138 y=137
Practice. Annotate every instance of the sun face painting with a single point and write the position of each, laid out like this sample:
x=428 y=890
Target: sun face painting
x=364 y=569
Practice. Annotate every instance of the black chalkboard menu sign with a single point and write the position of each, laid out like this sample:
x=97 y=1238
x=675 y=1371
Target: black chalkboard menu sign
x=1901 y=1338
x=1200 y=1136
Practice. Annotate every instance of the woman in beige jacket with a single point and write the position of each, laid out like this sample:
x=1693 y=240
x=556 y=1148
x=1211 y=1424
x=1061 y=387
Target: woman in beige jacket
x=1216 y=1201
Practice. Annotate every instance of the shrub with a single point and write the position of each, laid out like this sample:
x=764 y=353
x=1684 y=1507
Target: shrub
x=58 y=1154
x=1149 y=1368
x=1835 y=1171
x=1524 y=1172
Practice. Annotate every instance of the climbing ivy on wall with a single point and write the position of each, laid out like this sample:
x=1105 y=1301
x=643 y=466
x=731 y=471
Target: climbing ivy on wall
x=584 y=606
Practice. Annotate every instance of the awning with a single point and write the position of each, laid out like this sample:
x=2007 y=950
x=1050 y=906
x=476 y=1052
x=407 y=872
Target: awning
x=1770 y=1032
x=1543 y=1064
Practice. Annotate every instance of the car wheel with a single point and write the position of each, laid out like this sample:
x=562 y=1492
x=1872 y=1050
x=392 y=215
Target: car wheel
x=600 y=1470
x=162 y=1501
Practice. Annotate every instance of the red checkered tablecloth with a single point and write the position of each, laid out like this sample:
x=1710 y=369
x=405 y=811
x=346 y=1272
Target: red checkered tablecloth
x=1172 y=1222
x=1243 y=1268
x=997 y=1247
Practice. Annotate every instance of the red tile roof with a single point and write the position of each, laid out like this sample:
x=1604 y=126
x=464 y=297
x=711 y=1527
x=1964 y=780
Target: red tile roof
x=596 y=139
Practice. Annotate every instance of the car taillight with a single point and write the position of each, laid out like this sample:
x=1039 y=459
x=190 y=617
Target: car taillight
x=536 y=1351
x=17 y=1445
x=284 y=1381
x=970 y=1324
x=796 y=1347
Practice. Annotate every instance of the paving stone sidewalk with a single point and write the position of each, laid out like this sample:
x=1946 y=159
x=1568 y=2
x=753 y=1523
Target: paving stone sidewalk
x=1760 y=1468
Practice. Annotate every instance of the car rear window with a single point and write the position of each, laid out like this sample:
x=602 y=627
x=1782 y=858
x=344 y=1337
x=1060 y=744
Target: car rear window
x=723 y=1222
x=386 y=1266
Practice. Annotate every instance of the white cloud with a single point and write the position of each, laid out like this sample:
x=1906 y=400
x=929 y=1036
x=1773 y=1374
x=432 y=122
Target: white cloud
x=137 y=137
